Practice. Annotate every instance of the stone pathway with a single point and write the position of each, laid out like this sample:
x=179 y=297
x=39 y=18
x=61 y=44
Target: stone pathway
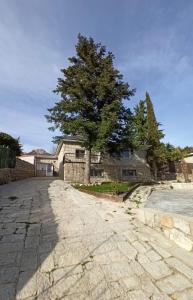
x=174 y=201
x=57 y=243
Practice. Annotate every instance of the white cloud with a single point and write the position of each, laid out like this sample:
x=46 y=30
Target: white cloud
x=32 y=130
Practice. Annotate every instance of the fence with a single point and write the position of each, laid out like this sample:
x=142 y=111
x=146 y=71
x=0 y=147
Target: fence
x=7 y=157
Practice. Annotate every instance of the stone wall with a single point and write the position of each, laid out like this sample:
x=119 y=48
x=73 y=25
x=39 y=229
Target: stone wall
x=22 y=170
x=180 y=177
x=176 y=227
x=74 y=172
x=73 y=168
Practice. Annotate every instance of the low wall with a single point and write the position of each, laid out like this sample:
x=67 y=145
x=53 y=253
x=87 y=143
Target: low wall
x=180 y=177
x=176 y=227
x=182 y=185
x=22 y=170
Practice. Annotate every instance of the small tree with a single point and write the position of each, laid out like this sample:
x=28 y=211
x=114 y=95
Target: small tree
x=91 y=99
x=8 y=141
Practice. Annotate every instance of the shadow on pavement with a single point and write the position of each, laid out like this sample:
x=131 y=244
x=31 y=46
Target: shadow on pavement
x=28 y=235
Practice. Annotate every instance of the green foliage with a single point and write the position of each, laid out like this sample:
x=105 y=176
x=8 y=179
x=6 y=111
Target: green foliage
x=7 y=157
x=146 y=132
x=8 y=141
x=91 y=97
x=140 y=127
x=108 y=187
x=154 y=133
x=173 y=153
x=187 y=150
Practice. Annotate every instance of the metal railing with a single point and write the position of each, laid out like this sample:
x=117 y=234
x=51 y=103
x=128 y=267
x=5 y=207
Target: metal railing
x=7 y=157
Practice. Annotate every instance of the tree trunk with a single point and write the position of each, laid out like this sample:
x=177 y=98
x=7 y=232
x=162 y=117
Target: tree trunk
x=87 y=166
x=155 y=169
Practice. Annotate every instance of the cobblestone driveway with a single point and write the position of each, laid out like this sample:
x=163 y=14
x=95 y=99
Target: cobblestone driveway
x=57 y=243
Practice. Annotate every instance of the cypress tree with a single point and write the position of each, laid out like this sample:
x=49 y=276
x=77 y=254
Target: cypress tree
x=140 y=135
x=156 y=151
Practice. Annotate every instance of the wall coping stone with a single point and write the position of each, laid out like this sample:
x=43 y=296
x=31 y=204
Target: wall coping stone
x=177 y=227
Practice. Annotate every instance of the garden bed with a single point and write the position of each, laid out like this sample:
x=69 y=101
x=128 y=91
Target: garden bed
x=117 y=192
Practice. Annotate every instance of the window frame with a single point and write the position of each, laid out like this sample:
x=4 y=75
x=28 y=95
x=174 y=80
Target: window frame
x=96 y=170
x=128 y=172
x=80 y=156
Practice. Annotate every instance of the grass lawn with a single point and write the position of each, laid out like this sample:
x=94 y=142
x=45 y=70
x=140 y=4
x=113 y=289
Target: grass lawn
x=107 y=187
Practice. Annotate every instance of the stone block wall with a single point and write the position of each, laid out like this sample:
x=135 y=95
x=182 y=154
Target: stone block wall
x=180 y=177
x=22 y=170
x=74 y=172
x=176 y=227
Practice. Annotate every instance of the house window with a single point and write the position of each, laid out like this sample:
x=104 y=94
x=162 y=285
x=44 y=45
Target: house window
x=80 y=153
x=96 y=172
x=129 y=173
x=124 y=154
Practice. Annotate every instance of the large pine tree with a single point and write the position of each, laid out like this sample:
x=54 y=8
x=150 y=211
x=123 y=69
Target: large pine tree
x=91 y=103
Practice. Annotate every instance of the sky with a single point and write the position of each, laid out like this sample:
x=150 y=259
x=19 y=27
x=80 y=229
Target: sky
x=152 y=41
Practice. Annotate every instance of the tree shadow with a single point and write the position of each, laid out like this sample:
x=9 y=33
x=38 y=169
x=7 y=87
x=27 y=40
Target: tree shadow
x=28 y=234
x=72 y=288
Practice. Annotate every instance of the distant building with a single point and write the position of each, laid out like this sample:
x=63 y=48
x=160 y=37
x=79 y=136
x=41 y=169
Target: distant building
x=44 y=162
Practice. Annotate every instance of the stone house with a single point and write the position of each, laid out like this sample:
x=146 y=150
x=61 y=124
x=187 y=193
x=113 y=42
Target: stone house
x=185 y=168
x=131 y=165
x=44 y=163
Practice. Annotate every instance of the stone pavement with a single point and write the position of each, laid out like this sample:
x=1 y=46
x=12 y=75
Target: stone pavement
x=174 y=201
x=58 y=243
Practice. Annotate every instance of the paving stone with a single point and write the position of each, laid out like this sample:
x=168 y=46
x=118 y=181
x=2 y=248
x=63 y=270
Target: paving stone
x=148 y=286
x=71 y=252
x=130 y=282
x=143 y=259
x=161 y=297
x=47 y=262
x=27 y=285
x=137 y=268
x=153 y=256
x=173 y=283
x=185 y=295
x=116 y=256
x=136 y=295
x=157 y=269
x=180 y=267
x=10 y=259
x=183 y=255
x=32 y=242
x=7 y=292
x=141 y=247
x=9 y=275
x=160 y=250
x=29 y=260
x=128 y=250
x=181 y=239
x=61 y=273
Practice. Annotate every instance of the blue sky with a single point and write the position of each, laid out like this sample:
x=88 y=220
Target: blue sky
x=152 y=41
